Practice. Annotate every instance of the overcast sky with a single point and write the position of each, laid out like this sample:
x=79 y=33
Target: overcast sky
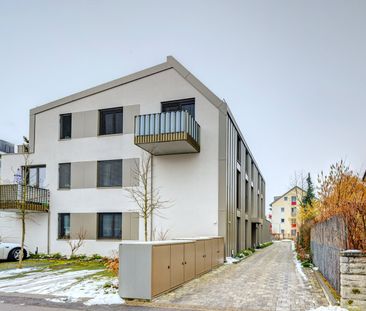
x=292 y=72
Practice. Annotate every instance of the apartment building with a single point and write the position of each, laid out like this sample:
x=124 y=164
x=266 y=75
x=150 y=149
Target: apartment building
x=285 y=216
x=84 y=149
x=5 y=147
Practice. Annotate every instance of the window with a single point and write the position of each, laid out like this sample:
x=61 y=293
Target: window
x=282 y=209
x=65 y=126
x=110 y=225
x=238 y=149
x=293 y=232
x=64 y=226
x=282 y=231
x=179 y=105
x=293 y=221
x=293 y=200
x=64 y=175
x=110 y=173
x=285 y=198
x=282 y=220
x=110 y=121
x=36 y=176
x=293 y=211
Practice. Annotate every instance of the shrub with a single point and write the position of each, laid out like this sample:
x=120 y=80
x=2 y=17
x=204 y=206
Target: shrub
x=79 y=257
x=112 y=265
x=96 y=257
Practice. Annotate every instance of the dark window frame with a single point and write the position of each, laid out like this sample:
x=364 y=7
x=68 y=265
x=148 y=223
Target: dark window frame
x=102 y=122
x=26 y=170
x=179 y=105
x=99 y=185
x=59 y=175
x=62 y=129
x=61 y=226
x=100 y=226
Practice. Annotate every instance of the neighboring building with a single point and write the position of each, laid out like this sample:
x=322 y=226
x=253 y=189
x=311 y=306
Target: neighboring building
x=364 y=177
x=285 y=216
x=84 y=149
x=5 y=147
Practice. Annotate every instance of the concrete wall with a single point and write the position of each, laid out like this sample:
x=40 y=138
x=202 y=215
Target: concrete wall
x=353 y=280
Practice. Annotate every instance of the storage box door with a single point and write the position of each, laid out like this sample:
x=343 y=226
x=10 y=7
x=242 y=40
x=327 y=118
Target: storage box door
x=208 y=255
x=221 y=251
x=177 y=264
x=189 y=261
x=160 y=269
x=200 y=259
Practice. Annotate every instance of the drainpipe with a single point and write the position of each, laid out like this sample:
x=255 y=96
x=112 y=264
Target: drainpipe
x=48 y=231
x=151 y=198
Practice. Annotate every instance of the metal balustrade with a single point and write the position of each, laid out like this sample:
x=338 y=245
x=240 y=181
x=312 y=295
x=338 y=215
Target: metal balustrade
x=167 y=127
x=17 y=197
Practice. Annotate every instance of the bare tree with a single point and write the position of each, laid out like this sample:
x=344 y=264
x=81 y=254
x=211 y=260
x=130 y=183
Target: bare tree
x=161 y=234
x=148 y=200
x=79 y=242
x=23 y=197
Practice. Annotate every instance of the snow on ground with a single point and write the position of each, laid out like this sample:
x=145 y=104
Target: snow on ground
x=8 y=273
x=298 y=263
x=231 y=260
x=68 y=285
x=330 y=308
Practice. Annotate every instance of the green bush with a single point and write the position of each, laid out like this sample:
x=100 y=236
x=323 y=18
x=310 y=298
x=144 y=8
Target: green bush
x=79 y=257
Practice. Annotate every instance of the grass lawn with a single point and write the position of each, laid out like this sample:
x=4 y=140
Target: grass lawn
x=60 y=264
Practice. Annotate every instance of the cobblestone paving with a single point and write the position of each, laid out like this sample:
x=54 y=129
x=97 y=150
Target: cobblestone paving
x=266 y=281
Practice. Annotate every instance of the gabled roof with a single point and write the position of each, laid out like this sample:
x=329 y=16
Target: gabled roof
x=171 y=63
x=281 y=196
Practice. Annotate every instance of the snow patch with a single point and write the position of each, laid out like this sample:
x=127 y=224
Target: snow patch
x=105 y=299
x=298 y=263
x=231 y=260
x=12 y=272
x=329 y=308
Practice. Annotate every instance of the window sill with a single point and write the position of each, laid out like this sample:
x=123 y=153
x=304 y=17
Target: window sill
x=108 y=135
x=63 y=189
x=110 y=187
x=108 y=239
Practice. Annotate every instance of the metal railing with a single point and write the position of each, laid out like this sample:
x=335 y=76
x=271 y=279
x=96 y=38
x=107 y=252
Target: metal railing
x=15 y=196
x=167 y=122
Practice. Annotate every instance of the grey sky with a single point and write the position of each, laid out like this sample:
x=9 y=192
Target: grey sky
x=297 y=68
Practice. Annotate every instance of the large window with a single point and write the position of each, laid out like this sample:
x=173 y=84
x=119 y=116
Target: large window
x=64 y=226
x=65 y=126
x=110 y=225
x=110 y=121
x=179 y=105
x=36 y=176
x=110 y=173
x=64 y=175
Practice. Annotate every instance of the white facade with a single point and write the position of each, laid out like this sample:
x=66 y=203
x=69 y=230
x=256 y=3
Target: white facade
x=189 y=181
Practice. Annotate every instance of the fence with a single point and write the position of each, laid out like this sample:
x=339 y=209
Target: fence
x=328 y=239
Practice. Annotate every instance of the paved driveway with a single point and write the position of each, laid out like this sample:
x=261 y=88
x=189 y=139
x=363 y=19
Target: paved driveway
x=266 y=281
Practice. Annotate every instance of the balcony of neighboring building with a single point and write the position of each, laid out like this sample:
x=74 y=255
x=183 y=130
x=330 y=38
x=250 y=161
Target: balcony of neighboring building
x=16 y=197
x=174 y=132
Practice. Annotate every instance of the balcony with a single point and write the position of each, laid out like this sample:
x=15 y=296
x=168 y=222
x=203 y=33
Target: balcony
x=165 y=133
x=16 y=197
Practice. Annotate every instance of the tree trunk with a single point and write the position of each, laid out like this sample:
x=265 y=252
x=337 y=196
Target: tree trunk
x=145 y=227
x=20 y=263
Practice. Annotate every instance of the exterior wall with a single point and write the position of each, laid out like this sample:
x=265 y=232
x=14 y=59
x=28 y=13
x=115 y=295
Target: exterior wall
x=353 y=280
x=277 y=215
x=202 y=188
x=193 y=174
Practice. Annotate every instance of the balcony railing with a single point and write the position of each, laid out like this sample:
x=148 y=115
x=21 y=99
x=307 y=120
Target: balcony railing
x=17 y=197
x=167 y=133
